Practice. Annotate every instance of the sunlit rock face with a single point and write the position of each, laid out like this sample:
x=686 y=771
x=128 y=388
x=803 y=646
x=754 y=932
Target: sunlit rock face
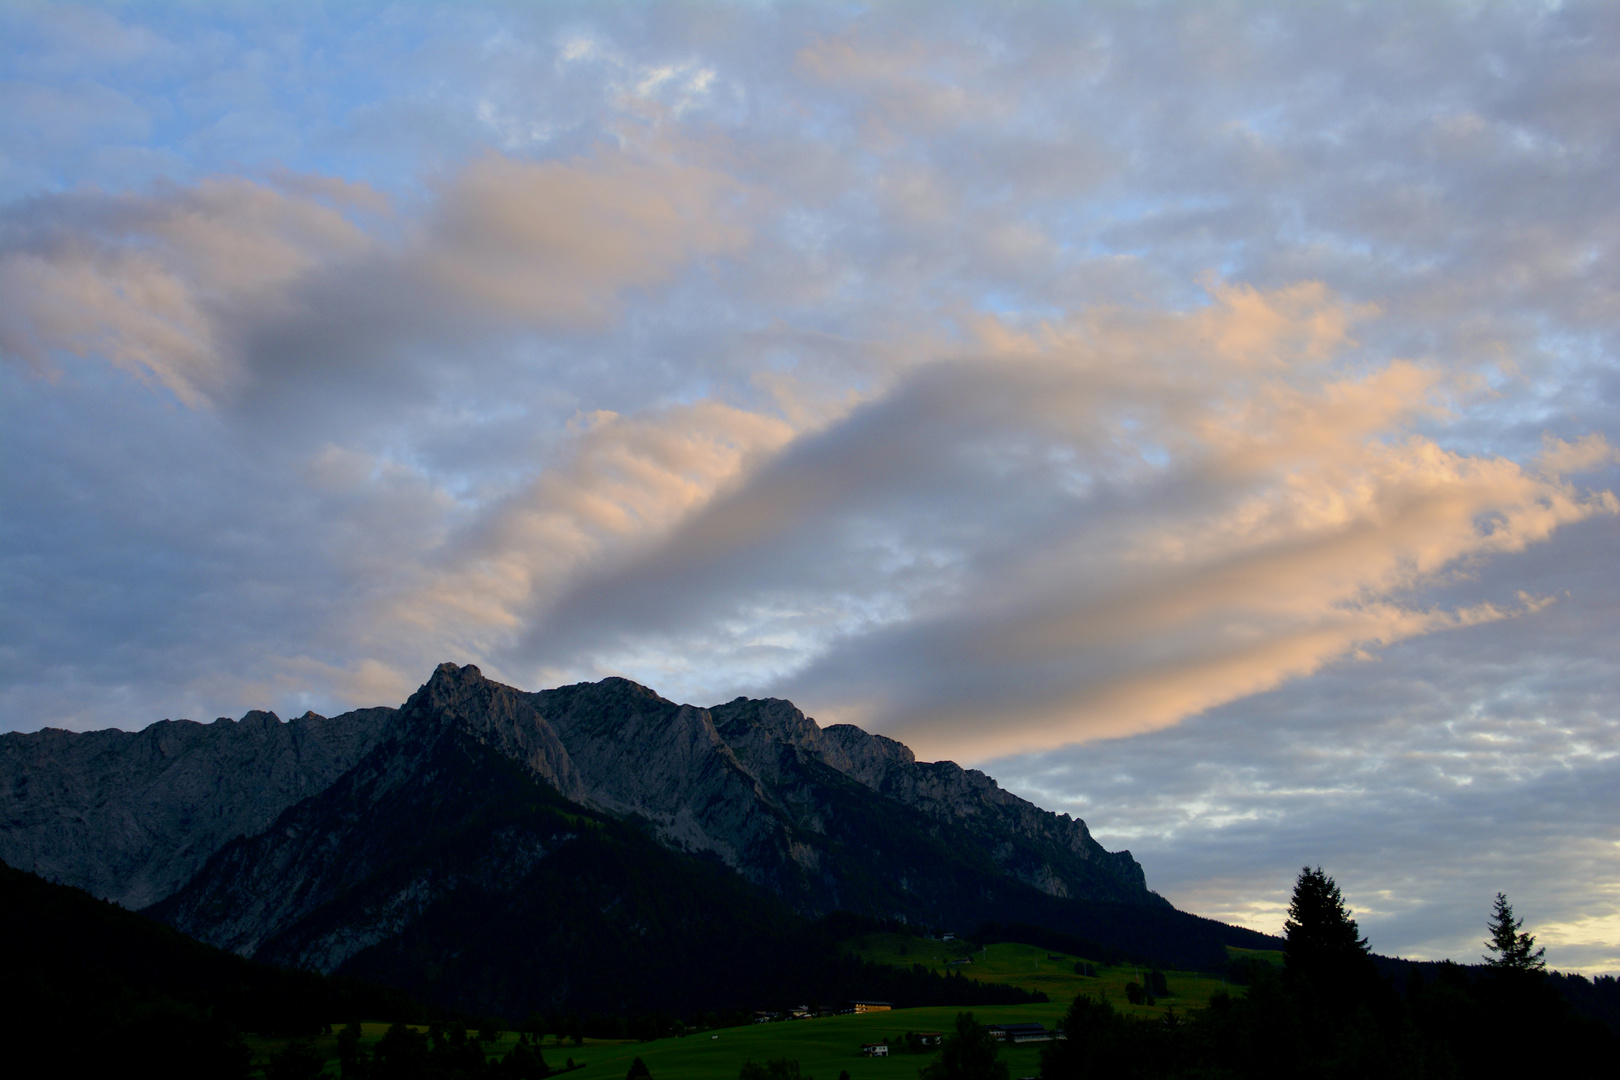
x=311 y=842
x=131 y=816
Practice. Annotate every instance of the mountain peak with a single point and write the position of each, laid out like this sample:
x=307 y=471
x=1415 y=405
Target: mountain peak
x=452 y=692
x=456 y=674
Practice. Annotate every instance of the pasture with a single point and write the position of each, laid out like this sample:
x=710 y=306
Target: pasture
x=827 y=1046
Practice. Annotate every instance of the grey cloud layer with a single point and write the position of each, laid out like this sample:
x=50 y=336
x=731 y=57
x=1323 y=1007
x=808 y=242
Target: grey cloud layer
x=1000 y=377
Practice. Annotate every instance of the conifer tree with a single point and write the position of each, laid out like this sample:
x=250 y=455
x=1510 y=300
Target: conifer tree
x=1321 y=935
x=1515 y=949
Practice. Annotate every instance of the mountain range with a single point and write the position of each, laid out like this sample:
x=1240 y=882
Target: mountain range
x=505 y=850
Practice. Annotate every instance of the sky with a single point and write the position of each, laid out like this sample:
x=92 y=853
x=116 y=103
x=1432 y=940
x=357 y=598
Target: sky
x=1201 y=417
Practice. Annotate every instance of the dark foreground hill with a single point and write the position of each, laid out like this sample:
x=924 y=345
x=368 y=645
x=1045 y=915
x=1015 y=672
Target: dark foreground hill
x=105 y=989
x=592 y=847
x=75 y=960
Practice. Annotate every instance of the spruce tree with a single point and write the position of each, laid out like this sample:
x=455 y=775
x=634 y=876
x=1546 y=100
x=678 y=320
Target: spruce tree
x=1322 y=938
x=1515 y=949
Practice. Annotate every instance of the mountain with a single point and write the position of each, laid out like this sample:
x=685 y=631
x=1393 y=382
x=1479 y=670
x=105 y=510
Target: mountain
x=590 y=845
x=440 y=866
x=131 y=816
x=827 y=819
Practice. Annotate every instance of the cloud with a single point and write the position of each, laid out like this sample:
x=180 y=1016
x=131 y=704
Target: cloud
x=621 y=484
x=207 y=289
x=558 y=242
x=153 y=283
x=1094 y=529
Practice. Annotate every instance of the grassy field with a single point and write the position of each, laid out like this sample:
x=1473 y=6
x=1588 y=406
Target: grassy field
x=1035 y=968
x=1274 y=957
x=827 y=1046
x=823 y=1047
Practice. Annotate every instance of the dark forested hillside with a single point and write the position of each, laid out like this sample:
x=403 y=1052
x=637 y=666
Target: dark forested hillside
x=108 y=990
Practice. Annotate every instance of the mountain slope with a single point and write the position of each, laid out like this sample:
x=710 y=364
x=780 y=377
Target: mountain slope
x=131 y=816
x=70 y=956
x=441 y=866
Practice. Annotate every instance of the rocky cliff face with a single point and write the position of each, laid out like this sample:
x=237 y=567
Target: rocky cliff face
x=1052 y=852
x=748 y=781
x=360 y=862
x=822 y=818
x=132 y=816
x=442 y=866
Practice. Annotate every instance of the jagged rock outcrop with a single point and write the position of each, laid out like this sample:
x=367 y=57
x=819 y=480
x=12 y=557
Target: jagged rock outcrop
x=502 y=718
x=132 y=816
x=643 y=755
x=1053 y=852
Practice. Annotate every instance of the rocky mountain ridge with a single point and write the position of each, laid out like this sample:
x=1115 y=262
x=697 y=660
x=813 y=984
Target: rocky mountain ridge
x=132 y=816
x=747 y=781
x=754 y=783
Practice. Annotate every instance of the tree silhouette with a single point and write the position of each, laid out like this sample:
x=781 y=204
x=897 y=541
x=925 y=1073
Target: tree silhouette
x=969 y=1054
x=1515 y=949
x=1324 y=950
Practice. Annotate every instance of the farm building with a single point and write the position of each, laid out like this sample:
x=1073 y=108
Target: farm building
x=874 y=1050
x=871 y=1006
x=1020 y=1033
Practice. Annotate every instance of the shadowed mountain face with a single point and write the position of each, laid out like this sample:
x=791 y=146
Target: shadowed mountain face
x=131 y=816
x=385 y=840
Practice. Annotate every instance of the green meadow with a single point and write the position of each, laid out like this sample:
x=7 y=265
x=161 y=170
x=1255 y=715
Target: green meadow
x=1035 y=968
x=823 y=1047
x=826 y=1046
x=1274 y=957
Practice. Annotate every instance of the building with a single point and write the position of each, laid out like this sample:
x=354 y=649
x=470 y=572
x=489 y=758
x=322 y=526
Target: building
x=874 y=1050
x=1020 y=1033
x=871 y=1006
